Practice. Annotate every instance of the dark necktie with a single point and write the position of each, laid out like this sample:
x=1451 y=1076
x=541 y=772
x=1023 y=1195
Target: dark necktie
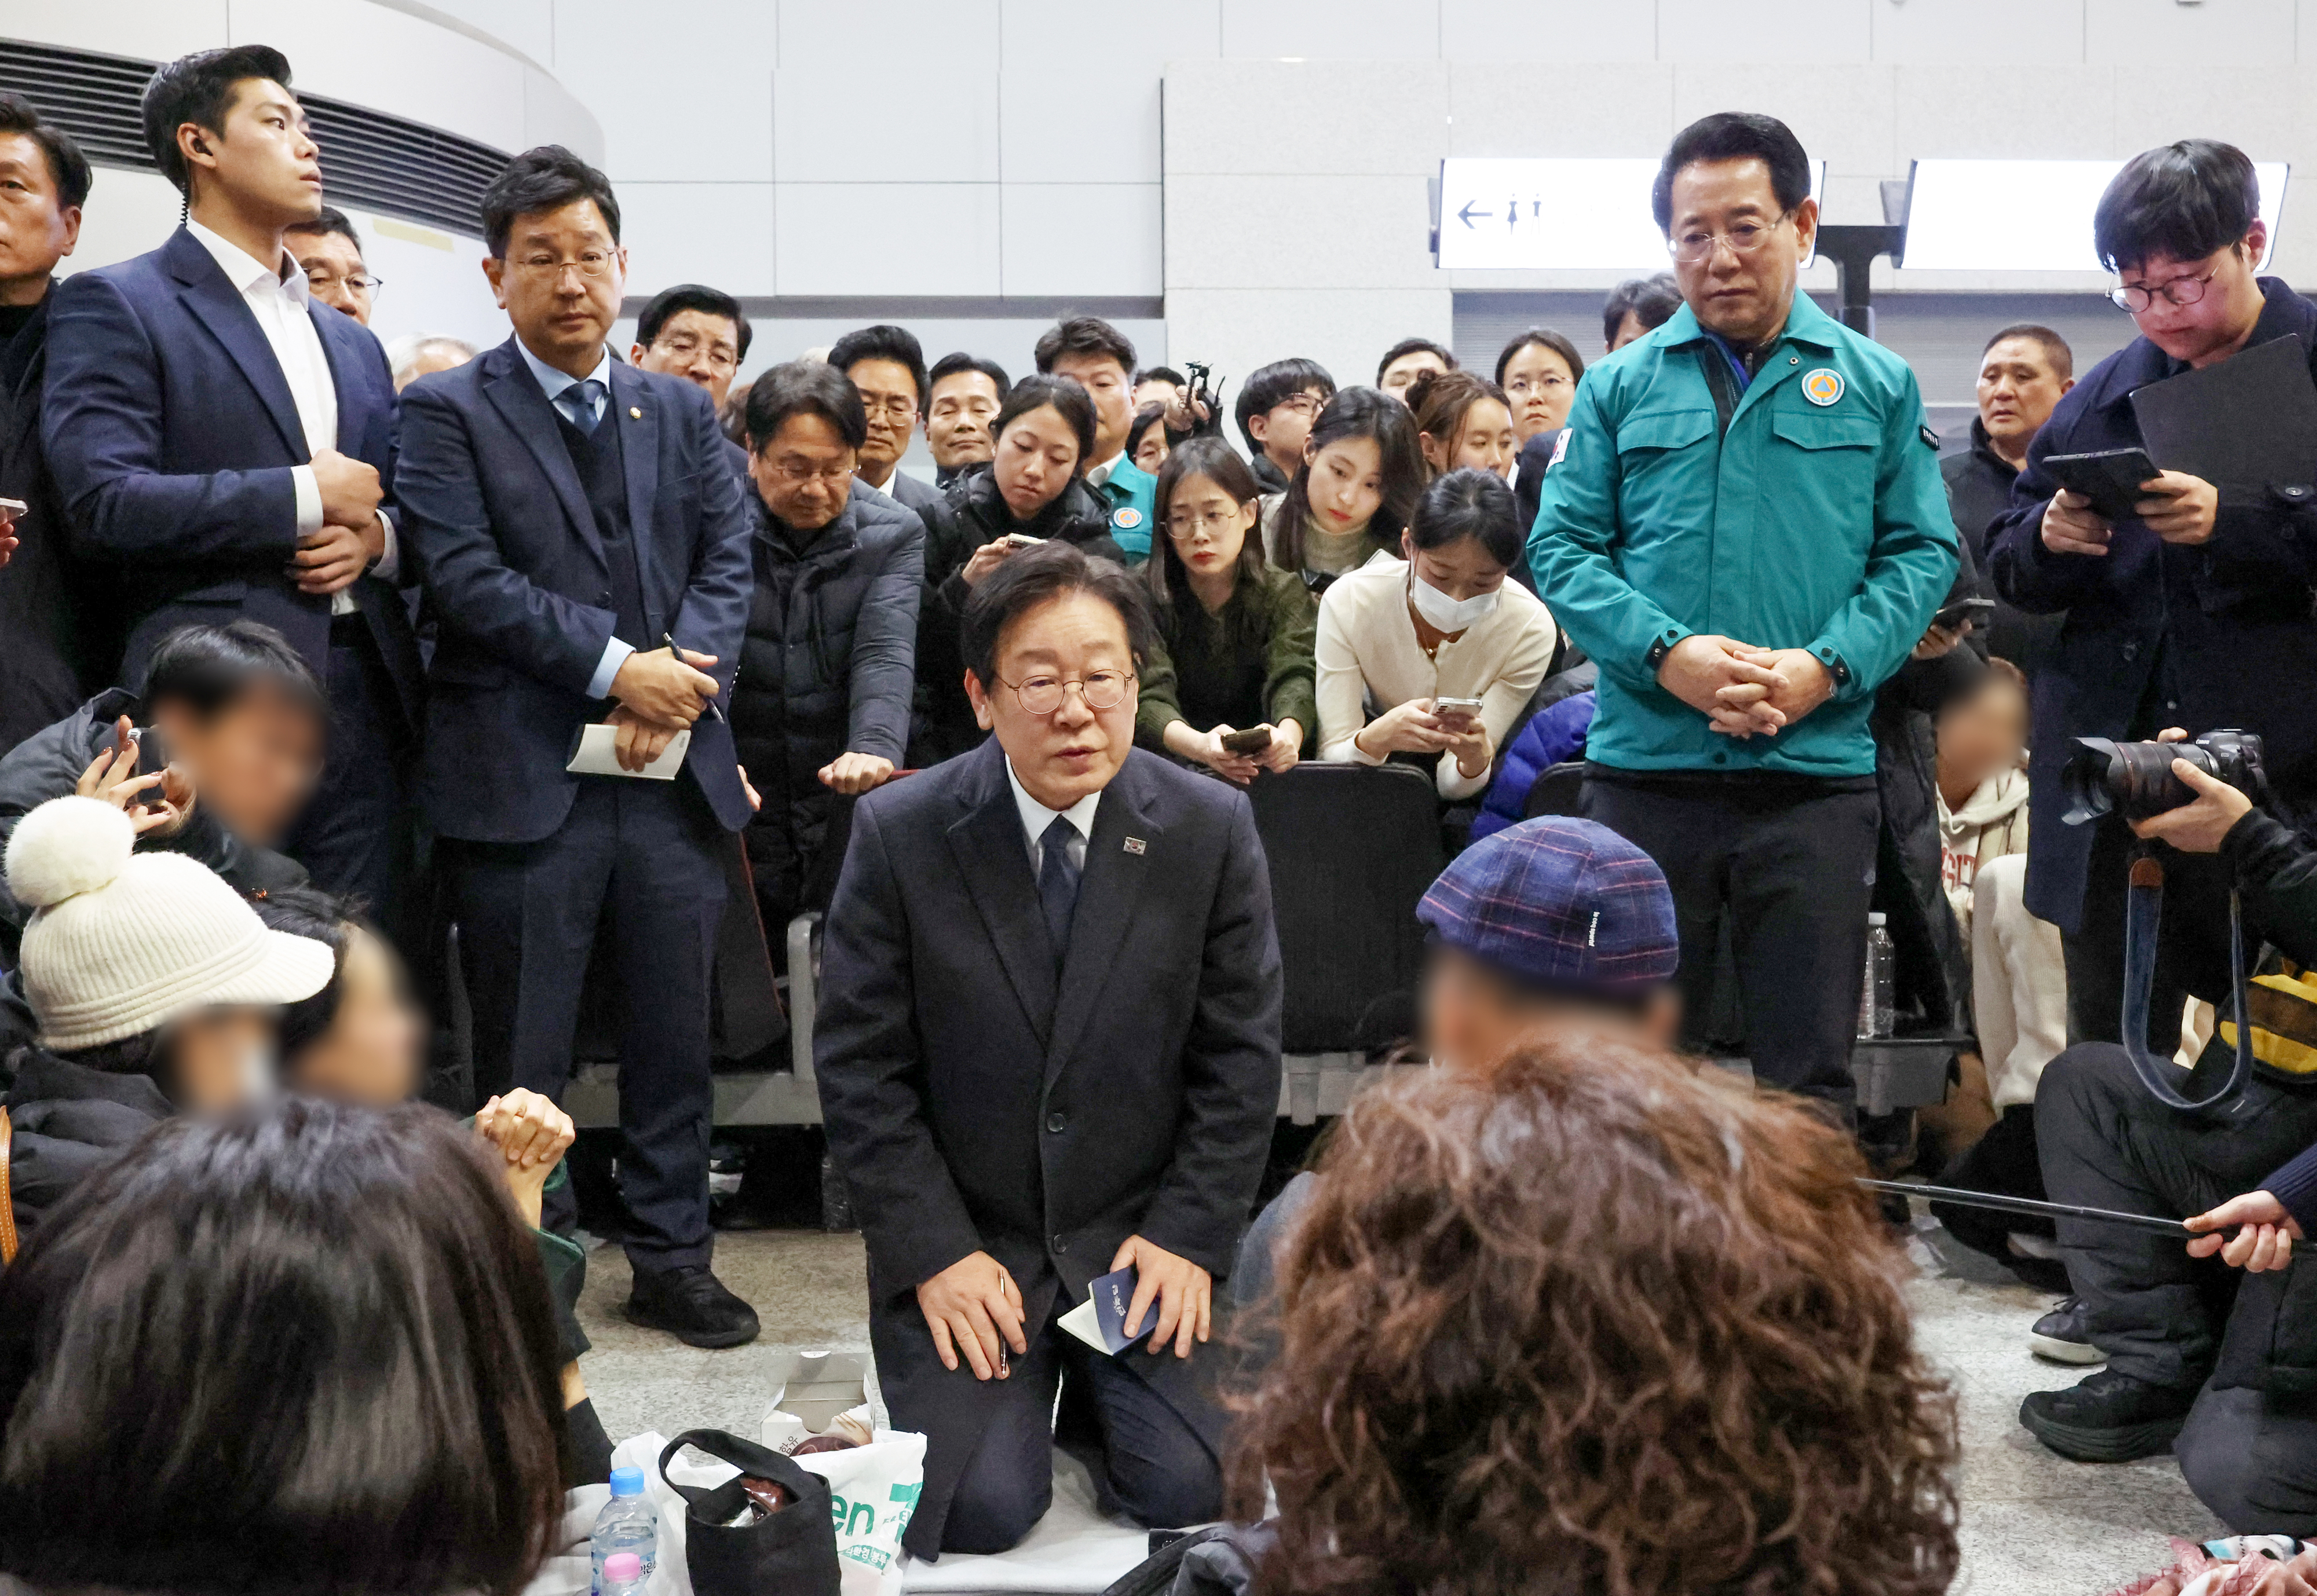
x=1057 y=883
x=579 y=405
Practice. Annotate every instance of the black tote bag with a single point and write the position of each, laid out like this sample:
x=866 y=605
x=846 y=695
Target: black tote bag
x=790 y=1552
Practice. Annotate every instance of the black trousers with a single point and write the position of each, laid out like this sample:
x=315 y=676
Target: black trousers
x=2252 y=1460
x=1791 y=865
x=358 y=832
x=641 y=859
x=2192 y=941
x=1155 y=1469
x=2106 y=1142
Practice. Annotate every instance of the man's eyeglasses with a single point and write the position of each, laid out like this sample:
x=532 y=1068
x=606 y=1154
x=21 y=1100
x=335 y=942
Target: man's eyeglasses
x=901 y=410
x=2181 y=290
x=1303 y=404
x=1745 y=240
x=360 y=282
x=683 y=347
x=834 y=475
x=591 y=263
x=1042 y=695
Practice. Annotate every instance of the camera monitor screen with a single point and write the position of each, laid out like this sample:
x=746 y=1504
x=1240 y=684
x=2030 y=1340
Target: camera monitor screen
x=2025 y=215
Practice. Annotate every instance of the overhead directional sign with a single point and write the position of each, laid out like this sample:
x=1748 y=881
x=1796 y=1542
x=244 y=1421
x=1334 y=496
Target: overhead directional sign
x=2025 y=215
x=1546 y=213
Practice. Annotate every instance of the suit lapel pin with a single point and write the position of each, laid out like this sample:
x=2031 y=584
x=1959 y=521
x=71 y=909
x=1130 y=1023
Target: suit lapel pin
x=1137 y=845
x=635 y=413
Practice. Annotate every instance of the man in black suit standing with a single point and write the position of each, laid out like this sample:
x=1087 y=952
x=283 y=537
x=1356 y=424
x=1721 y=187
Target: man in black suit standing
x=701 y=335
x=226 y=441
x=1048 y=1049
x=582 y=543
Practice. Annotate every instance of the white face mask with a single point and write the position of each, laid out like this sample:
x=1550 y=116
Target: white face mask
x=1445 y=614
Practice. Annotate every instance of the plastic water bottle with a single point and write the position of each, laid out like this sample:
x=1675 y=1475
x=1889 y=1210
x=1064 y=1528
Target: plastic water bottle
x=1876 y=1011
x=627 y=1527
x=623 y=1575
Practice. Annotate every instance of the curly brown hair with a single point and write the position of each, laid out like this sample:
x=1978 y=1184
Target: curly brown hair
x=1593 y=1323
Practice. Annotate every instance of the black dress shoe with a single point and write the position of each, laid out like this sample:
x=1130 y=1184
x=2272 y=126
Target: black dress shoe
x=693 y=1306
x=2108 y=1417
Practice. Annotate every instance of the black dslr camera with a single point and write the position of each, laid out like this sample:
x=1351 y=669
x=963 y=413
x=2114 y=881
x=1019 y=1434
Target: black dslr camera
x=2135 y=779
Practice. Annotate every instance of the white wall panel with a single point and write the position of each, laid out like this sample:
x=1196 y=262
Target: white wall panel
x=716 y=233
x=1345 y=330
x=153 y=30
x=696 y=115
x=1792 y=32
x=1524 y=108
x=1088 y=238
x=1997 y=37
x=1331 y=30
x=928 y=122
x=1289 y=232
x=2260 y=103
x=1548 y=33
x=395 y=62
x=524 y=25
x=887 y=238
x=2166 y=33
x=1079 y=99
x=1342 y=117
x=1971 y=112
x=1846 y=117
x=848 y=36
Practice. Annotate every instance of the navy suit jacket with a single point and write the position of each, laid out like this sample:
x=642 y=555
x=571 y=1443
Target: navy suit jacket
x=516 y=581
x=170 y=433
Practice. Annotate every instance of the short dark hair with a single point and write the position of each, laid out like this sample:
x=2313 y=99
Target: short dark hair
x=1355 y=412
x=805 y=388
x=1651 y=300
x=199 y=88
x=546 y=178
x=1083 y=335
x=1220 y=464
x=67 y=167
x=1159 y=374
x=1267 y=387
x=2064 y=359
x=1409 y=346
x=207 y=668
x=884 y=341
x=1469 y=504
x=670 y=302
x=200 y=1326
x=1149 y=416
x=1065 y=394
x=958 y=360
x=1025 y=580
x=2184 y=200
x=1734 y=135
x=321 y=917
x=1543 y=338
x=327 y=220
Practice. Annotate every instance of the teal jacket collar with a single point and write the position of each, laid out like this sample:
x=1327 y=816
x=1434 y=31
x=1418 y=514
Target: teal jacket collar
x=1805 y=323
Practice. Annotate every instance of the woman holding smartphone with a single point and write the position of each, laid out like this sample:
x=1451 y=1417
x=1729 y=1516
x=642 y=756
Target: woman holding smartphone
x=1449 y=648
x=1229 y=685
x=1031 y=490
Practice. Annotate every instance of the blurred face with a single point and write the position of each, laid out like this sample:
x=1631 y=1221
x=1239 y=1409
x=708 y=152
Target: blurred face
x=1036 y=458
x=1737 y=251
x=371 y=1054
x=2018 y=388
x=1156 y=390
x=1401 y=374
x=804 y=472
x=2220 y=318
x=1463 y=569
x=1207 y=527
x=433 y=358
x=1984 y=735
x=335 y=272
x=254 y=762
x=561 y=284
x=1486 y=440
x=259 y=163
x=1151 y=452
x=1347 y=483
x=958 y=418
x=1074 y=751
x=37 y=231
x=890 y=395
x=1538 y=383
x=702 y=349
x=1472 y=1015
x=1114 y=408
x=1282 y=429
x=219 y=1058
x=1629 y=327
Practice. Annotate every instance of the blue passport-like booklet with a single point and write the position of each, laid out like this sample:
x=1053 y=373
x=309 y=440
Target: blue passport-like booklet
x=1100 y=1321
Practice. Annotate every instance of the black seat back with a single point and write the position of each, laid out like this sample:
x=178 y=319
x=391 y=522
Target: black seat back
x=1555 y=790
x=1352 y=850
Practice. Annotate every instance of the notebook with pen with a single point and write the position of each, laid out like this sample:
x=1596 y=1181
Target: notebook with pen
x=2248 y=425
x=593 y=753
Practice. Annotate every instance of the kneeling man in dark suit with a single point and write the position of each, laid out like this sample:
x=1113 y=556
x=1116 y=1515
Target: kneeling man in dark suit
x=1048 y=1049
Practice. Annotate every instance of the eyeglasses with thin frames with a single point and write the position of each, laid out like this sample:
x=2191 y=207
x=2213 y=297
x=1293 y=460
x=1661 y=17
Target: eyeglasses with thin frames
x=590 y=264
x=1042 y=695
x=1746 y=240
x=360 y=282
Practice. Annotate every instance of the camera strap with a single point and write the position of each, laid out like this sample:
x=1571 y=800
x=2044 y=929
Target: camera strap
x=2143 y=910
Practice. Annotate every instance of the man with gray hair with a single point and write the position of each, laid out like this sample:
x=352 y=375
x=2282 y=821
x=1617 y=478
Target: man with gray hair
x=421 y=354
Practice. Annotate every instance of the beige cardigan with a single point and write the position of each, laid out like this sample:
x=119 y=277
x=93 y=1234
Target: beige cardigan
x=1367 y=654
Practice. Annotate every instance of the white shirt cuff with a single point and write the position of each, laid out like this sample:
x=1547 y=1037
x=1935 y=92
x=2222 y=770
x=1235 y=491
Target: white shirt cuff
x=615 y=655
x=389 y=564
x=310 y=499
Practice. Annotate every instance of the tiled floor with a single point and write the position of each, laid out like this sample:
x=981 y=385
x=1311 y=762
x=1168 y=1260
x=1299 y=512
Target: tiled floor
x=2033 y=1524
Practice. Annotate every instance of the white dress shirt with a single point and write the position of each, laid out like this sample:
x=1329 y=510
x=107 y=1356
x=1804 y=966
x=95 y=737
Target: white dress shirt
x=1099 y=477
x=1036 y=817
x=277 y=298
x=552 y=383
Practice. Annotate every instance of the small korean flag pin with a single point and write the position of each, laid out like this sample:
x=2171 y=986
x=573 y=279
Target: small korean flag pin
x=1137 y=845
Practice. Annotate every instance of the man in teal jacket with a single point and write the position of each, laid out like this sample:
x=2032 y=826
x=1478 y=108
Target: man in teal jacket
x=1744 y=524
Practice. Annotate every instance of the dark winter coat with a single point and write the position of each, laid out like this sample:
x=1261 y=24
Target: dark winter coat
x=1979 y=490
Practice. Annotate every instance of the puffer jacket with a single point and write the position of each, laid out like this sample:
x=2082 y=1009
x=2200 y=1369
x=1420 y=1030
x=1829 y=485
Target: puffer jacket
x=68 y=1120
x=1991 y=823
x=827 y=663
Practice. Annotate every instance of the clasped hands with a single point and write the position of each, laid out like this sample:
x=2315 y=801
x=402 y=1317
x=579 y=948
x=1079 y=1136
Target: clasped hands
x=351 y=539
x=1741 y=689
x=974 y=1307
x=661 y=693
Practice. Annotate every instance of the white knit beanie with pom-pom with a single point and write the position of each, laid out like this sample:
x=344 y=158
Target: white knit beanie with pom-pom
x=122 y=942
